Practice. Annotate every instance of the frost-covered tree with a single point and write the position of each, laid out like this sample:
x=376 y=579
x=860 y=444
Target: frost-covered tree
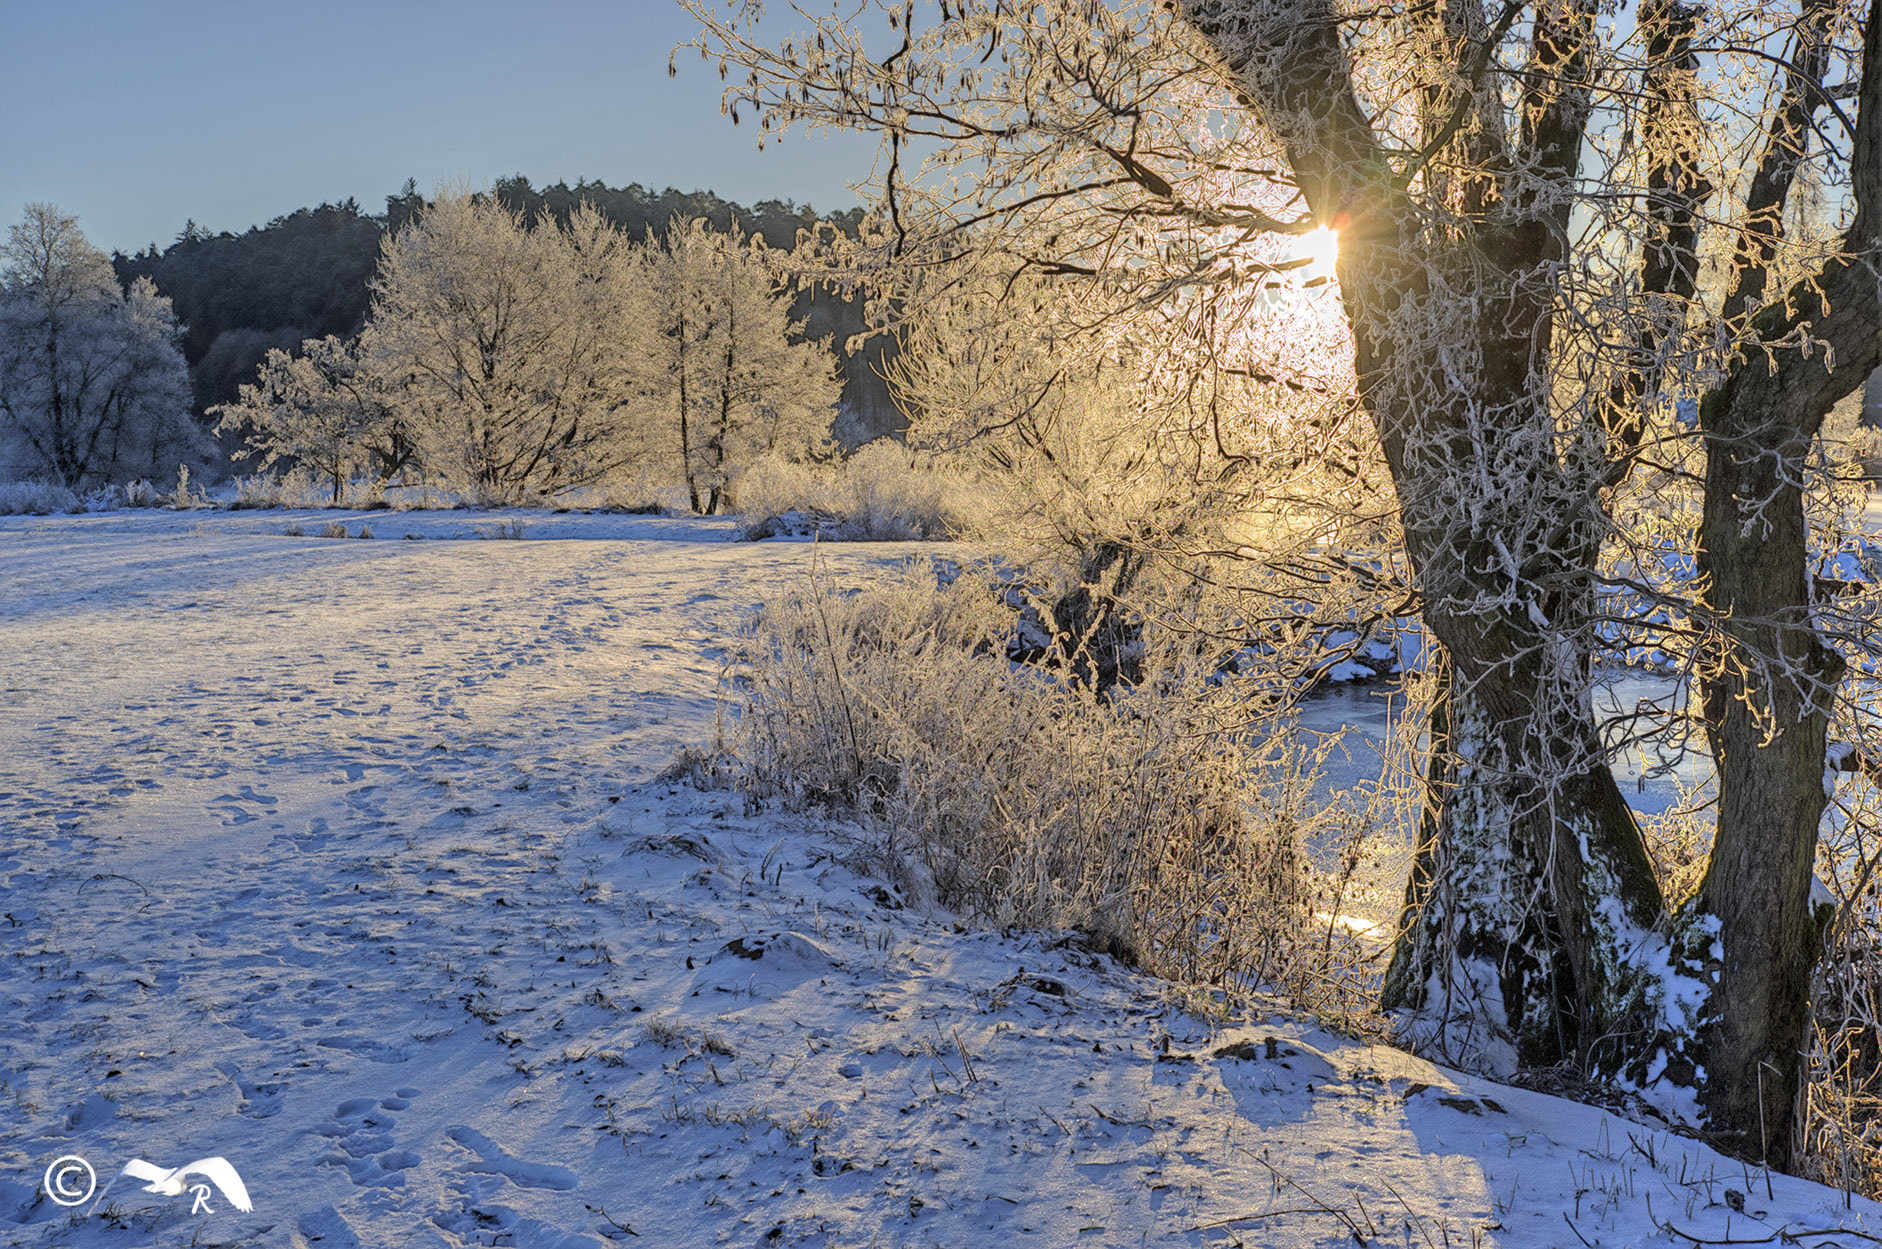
x=1095 y=444
x=1526 y=196
x=318 y=408
x=729 y=376
x=93 y=387
x=502 y=349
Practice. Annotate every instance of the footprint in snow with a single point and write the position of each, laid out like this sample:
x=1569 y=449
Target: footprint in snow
x=493 y=1159
x=365 y=1047
x=325 y=1228
x=90 y=1113
x=1459 y=1103
x=1304 y=1062
x=361 y=1128
x=259 y=1101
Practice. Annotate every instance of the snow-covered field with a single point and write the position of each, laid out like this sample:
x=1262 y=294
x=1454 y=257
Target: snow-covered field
x=346 y=861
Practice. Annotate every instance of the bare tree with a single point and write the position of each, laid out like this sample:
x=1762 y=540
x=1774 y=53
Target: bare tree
x=321 y=409
x=728 y=375
x=93 y=387
x=1526 y=198
x=502 y=348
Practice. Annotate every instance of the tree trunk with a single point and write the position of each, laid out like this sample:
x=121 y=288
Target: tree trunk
x=1767 y=718
x=686 y=445
x=1477 y=962
x=1530 y=890
x=1772 y=678
x=1769 y=684
x=1533 y=902
x=1533 y=889
x=1512 y=950
x=716 y=444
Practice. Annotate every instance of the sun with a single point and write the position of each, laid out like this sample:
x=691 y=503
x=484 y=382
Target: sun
x=1320 y=247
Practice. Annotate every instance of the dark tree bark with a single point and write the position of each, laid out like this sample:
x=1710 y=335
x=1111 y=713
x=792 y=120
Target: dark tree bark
x=1771 y=678
x=686 y=442
x=1508 y=950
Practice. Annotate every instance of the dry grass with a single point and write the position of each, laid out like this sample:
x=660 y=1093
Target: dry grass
x=882 y=493
x=1157 y=822
x=1840 y=1127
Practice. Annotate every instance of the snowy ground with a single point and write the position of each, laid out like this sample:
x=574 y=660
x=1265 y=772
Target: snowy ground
x=345 y=861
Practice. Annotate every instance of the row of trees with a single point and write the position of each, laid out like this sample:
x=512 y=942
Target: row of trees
x=306 y=275
x=1559 y=229
x=93 y=388
x=512 y=362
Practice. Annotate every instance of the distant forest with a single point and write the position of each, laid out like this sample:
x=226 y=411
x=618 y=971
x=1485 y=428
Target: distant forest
x=305 y=275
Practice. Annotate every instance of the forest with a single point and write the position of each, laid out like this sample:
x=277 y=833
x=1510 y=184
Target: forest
x=304 y=275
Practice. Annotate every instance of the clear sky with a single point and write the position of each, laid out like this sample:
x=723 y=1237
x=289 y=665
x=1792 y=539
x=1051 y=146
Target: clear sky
x=138 y=115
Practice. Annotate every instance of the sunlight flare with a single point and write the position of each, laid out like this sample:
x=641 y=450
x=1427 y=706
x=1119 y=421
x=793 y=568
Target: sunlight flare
x=1321 y=247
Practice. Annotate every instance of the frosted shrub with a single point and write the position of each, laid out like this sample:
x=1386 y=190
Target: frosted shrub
x=184 y=498
x=141 y=493
x=35 y=498
x=261 y=490
x=640 y=494
x=777 y=496
x=892 y=495
x=1154 y=821
x=421 y=498
x=296 y=488
x=882 y=493
x=106 y=498
x=1840 y=1119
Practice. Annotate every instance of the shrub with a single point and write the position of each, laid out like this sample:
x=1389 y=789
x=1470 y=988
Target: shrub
x=333 y=529
x=298 y=489
x=258 y=491
x=1840 y=1113
x=882 y=493
x=141 y=493
x=643 y=495
x=35 y=498
x=1155 y=821
x=184 y=498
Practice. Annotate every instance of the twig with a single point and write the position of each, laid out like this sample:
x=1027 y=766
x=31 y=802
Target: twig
x=113 y=876
x=614 y=1222
x=1782 y=1235
x=1264 y=1214
x=1296 y=1185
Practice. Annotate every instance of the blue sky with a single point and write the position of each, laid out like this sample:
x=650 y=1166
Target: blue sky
x=140 y=114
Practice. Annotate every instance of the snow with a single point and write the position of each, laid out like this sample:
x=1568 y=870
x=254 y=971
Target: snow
x=349 y=861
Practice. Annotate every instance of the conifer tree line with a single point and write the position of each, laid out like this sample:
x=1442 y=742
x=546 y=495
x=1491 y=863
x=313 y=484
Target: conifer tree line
x=508 y=362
